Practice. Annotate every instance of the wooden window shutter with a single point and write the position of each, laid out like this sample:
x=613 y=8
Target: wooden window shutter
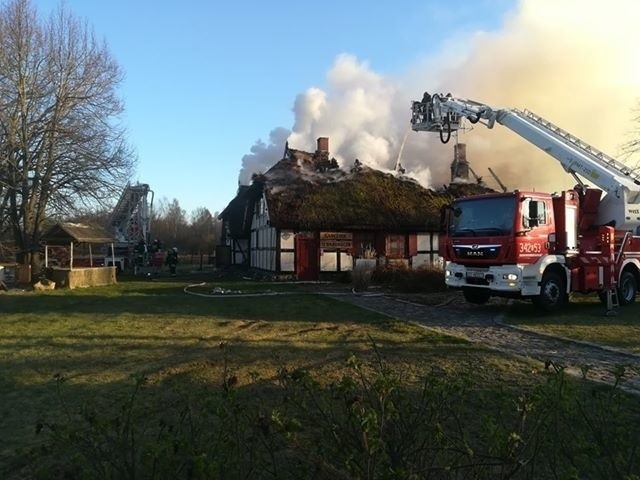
x=413 y=244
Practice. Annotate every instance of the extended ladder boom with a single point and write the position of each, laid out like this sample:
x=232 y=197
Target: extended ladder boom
x=621 y=206
x=131 y=217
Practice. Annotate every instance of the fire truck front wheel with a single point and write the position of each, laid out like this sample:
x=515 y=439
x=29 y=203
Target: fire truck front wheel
x=628 y=288
x=476 y=295
x=553 y=295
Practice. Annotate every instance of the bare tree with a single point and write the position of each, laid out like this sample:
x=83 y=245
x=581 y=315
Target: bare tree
x=61 y=146
x=203 y=232
x=169 y=224
x=632 y=147
x=196 y=233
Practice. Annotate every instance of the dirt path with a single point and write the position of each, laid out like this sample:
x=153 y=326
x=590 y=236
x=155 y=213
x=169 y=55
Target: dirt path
x=483 y=324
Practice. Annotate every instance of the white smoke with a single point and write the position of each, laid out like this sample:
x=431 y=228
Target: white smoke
x=355 y=112
x=263 y=156
x=572 y=61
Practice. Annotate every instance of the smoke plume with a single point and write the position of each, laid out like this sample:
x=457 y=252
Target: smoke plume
x=263 y=156
x=573 y=62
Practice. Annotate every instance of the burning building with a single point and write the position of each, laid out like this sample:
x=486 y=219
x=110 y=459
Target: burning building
x=305 y=216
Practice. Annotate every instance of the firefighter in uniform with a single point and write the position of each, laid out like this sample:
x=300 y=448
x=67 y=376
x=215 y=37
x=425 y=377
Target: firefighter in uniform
x=172 y=260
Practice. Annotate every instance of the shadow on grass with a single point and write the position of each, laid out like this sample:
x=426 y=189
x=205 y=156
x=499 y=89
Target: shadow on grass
x=170 y=299
x=98 y=338
x=99 y=371
x=206 y=404
x=579 y=311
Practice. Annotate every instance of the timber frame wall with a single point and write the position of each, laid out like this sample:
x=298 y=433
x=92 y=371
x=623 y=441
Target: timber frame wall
x=273 y=250
x=264 y=239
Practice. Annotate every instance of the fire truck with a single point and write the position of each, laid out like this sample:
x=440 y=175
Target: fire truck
x=533 y=245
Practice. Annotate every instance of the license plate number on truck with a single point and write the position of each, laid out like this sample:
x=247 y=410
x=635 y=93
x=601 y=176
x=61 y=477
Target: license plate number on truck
x=475 y=273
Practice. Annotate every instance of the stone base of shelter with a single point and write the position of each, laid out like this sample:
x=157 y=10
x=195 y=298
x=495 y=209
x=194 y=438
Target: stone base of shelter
x=82 y=277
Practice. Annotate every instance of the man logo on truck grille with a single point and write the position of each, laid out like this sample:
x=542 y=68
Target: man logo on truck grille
x=477 y=251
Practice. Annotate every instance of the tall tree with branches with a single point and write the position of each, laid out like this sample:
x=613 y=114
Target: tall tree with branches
x=170 y=223
x=632 y=147
x=203 y=230
x=62 y=148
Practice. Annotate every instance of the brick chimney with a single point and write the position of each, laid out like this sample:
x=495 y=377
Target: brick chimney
x=460 y=165
x=323 y=144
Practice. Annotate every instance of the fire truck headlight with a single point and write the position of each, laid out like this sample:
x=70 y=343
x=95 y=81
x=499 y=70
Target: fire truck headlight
x=510 y=276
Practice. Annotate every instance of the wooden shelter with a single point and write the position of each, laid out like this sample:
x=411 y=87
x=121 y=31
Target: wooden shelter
x=67 y=266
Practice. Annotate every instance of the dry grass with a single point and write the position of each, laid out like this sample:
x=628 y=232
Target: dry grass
x=584 y=319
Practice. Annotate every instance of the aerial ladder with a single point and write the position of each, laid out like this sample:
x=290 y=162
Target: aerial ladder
x=131 y=222
x=617 y=213
x=620 y=208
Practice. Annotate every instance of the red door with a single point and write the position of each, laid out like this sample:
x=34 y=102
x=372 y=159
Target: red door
x=307 y=259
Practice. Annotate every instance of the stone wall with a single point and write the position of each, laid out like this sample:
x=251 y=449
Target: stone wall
x=83 y=277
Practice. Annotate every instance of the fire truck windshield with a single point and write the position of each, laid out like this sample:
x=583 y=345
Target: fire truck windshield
x=482 y=217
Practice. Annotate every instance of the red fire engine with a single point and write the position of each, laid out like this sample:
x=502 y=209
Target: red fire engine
x=527 y=244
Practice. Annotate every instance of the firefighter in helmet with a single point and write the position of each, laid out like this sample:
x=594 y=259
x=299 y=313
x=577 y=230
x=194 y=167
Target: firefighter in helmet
x=172 y=260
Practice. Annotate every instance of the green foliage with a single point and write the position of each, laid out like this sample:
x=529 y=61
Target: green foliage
x=361 y=276
x=399 y=277
x=371 y=423
x=408 y=280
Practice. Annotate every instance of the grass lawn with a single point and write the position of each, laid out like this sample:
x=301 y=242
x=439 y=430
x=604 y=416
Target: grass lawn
x=102 y=341
x=584 y=319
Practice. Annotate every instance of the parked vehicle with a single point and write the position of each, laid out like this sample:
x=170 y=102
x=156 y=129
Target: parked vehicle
x=541 y=246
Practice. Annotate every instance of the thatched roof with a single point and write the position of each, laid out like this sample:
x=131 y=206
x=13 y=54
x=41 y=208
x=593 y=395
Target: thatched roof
x=456 y=190
x=305 y=191
x=238 y=213
x=363 y=200
x=64 y=233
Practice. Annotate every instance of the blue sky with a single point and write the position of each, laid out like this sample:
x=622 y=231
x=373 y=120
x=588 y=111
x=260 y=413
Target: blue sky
x=205 y=80
x=215 y=88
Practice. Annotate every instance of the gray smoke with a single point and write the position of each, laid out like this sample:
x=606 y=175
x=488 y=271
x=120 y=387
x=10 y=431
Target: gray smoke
x=263 y=155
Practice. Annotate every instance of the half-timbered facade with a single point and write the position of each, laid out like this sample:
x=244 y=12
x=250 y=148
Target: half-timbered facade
x=306 y=217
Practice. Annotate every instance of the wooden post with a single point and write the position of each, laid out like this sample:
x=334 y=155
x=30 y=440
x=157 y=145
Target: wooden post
x=90 y=257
